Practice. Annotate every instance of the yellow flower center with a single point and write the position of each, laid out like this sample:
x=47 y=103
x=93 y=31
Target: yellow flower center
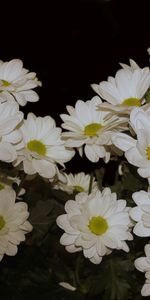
x=5 y=83
x=2 y=222
x=132 y=102
x=37 y=146
x=92 y=129
x=78 y=189
x=148 y=152
x=98 y=225
x=2 y=186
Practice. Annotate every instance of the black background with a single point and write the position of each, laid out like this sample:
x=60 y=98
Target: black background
x=71 y=44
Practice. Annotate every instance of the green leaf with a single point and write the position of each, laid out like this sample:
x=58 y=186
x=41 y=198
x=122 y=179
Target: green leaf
x=147 y=96
x=39 y=214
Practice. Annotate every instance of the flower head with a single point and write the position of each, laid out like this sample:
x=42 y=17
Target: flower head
x=95 y=223
x=10 y=135
x=13 y=222
x=90 y=128
x=141 y=213
x=137 y=150
x=17 y=83
x=126 y=90
x=43 y=147
x=143 y=265
x=76 y=183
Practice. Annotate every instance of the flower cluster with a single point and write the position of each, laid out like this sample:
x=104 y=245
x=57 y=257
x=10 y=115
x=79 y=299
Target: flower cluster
x=95 y=221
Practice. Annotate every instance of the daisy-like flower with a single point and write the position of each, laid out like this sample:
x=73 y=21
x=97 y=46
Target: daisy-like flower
x=17 y=83
x=43 y=147
x=10 y=135
x=13 y=222
x=137 y=151
x=143 y=265
x=92 y=128
x=141 y=213
x=95 y=223
x=126 y=90
x=76 y=183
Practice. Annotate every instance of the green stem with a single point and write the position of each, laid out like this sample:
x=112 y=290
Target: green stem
x=99 y=174
x=20 y=186
x=90 y=184
x=113 y=277
x=80 y=286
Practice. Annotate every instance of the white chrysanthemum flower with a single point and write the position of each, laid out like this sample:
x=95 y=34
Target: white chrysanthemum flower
x=143 y=265
x=141 y=213
x=43 y=147
x=13 y=222
x=17 y=83
x=10 y=135
x=92 y=128
x=137 y=151
x=95 y=223
x=125 y=91
x=76 y=183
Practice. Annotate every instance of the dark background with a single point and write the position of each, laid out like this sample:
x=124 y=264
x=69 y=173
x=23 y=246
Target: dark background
x=71 y=44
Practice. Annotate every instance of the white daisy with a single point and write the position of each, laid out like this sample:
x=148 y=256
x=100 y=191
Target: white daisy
x=76 y=183
x=17 y=83
x=43 y=147
x=13 y=222
x=10 y=135
x=126 y=90
x=137 y=151
x=92 y=128
x=141 y=213
x=143 y=265
x=95 y=223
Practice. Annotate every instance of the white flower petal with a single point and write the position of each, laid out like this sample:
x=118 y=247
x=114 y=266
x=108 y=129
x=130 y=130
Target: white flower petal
x=67 y=239
x=141 y=230
x=123 y=141
x=44 y=168
x=145 y=290
x=136 y=213
x=96 y=259
x=7 y=152
x=142 y=264
x=67 y=286
x=147 y=250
